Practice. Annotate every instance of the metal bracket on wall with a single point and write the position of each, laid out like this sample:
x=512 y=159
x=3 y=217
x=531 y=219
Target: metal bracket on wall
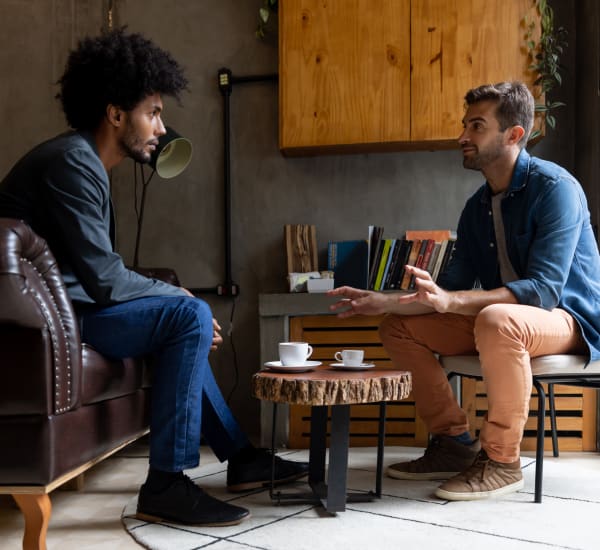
x=226 y=81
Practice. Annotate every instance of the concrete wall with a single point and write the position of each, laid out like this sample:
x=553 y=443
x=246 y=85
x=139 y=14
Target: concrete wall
x=341 y=195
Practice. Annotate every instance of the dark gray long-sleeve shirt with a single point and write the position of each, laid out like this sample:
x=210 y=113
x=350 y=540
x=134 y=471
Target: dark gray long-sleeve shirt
x=61 y=189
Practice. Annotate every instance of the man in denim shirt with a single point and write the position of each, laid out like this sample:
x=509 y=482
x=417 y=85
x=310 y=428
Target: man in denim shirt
x=525 y=237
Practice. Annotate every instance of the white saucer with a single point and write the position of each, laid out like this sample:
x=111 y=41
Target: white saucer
x=362 y=366
x=306 y=366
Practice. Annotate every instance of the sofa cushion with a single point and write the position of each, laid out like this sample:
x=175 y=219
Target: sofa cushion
x=104 y=378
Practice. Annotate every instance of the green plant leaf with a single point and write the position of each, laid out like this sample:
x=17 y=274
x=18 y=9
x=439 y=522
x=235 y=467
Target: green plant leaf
x=264 y=15
x=534 y=134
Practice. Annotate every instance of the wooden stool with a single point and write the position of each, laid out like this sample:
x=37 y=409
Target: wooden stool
x=339 y=389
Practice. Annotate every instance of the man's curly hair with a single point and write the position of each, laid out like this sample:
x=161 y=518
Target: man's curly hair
x=115 y=68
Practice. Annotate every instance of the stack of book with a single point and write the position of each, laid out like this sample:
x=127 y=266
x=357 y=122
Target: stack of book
x=379 y=263
x=429 y=250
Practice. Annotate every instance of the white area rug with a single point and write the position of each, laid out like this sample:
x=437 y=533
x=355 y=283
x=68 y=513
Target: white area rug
x=406 y=517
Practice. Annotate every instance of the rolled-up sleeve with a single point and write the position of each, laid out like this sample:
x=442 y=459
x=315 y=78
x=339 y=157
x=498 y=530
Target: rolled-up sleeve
x=548 y=254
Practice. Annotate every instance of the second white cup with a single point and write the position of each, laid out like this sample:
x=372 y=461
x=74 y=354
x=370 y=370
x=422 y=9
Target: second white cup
x=350 y=357
x=294 y=353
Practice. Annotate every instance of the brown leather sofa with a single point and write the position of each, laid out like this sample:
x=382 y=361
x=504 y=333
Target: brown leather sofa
x=63 y=406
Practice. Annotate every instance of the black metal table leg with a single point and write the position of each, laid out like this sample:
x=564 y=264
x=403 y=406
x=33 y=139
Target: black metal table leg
x=332 y=495
x=337 y=473
x=318 y=444
x=273 y=429
x=380 y=447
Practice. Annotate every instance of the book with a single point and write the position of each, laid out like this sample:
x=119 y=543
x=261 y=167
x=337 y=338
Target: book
x=438 y=235
x=375 y=255
x=433 y=259
x=385 y=252
x=447 y=256
x=388 y=266
x=414 y=252
x=349 y=260
x=393 y=260
x=403 y=254
x=375 y=234
x=439 y=260
x=427 y=255
x=419 y=261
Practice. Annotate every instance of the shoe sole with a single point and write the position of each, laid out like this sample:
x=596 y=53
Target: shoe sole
x=241 y=487
x=424 y=476
x=479 y=495
x=160 y=519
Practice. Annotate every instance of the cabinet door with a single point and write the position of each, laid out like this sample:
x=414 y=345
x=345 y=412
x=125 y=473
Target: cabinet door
x=344 y=70
x=457 y=45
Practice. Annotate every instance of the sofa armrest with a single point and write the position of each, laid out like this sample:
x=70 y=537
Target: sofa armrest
x=34 y=296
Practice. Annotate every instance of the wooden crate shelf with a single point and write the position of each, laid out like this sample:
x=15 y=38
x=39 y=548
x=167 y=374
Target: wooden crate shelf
x=575 y=416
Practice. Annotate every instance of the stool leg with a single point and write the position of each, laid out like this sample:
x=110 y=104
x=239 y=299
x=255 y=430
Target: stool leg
x=553 y=419
x=539 y=451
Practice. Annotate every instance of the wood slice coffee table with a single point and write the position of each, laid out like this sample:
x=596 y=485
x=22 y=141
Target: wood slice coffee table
x=328 y=387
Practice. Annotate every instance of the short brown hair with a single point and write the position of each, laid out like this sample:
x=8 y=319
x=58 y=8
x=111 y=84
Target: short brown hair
x=515 y=104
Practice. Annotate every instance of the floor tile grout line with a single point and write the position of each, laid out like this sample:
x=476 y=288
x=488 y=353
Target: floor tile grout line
x=456 y=528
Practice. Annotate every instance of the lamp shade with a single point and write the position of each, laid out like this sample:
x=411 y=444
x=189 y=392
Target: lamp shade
x=172 y=155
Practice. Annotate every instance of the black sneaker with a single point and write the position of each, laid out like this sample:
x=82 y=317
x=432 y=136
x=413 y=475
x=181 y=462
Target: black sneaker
x=184 y=502
x=255 y=472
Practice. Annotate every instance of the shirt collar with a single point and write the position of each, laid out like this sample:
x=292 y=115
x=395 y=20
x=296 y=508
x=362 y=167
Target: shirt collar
x=518 y=180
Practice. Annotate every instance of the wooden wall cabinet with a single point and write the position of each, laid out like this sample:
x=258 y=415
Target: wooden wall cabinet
x=381 y=75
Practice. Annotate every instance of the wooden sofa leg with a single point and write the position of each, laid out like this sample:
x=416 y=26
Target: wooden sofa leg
x=37 y=510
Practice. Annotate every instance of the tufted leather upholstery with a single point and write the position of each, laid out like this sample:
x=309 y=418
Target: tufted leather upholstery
x=62 y=404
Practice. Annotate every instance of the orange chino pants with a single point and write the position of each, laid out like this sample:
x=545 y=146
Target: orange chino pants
x=505 y=336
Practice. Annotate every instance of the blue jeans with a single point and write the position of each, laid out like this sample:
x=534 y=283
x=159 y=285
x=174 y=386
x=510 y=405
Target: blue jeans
x=186 y=400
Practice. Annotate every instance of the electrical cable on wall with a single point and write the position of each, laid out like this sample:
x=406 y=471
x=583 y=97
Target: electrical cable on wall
x=226 y=80
x=236 y=372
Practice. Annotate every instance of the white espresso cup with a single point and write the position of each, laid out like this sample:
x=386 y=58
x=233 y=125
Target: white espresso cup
x=350 y=357
x=294 y=353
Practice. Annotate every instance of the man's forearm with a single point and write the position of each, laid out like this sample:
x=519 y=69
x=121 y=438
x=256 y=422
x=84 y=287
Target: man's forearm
x=411 y=308
x=471 y=302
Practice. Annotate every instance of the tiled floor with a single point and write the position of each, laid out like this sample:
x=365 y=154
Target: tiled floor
x=406 y=517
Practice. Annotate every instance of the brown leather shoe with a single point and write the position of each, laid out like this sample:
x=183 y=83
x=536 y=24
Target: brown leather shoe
x=485 y=478
x=443 y=458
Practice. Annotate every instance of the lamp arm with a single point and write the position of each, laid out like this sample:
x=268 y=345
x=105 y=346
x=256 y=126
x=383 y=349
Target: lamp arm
x=140 y=220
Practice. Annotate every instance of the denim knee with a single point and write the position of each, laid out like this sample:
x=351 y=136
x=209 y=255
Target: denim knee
x=193 y=314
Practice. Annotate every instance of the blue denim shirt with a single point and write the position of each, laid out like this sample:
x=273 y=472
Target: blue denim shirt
x=549 y=239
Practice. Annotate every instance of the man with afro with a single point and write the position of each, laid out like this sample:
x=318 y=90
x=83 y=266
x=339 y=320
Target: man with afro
x=111 y=93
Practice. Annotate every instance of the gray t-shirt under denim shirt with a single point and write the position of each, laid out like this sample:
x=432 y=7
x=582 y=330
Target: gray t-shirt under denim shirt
x=507 y=272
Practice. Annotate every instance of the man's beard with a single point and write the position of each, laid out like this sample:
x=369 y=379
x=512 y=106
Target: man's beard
x=480 y=159
x=134 y=148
